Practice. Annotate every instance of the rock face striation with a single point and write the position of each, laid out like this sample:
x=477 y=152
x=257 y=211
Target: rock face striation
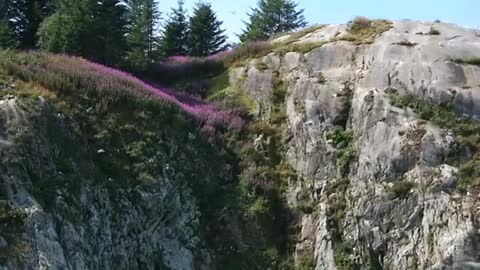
x=378 y=184
x=396 y=205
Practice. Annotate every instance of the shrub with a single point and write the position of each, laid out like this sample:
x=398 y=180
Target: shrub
x=342 y=256
x=469 y=61
x=364 y=31
x=67 y=75
x=406 y=43
x=360 y=23
x=401 y=189
x=433 y=32
x=342 y=141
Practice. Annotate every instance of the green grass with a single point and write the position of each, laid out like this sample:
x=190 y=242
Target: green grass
x=231 y=97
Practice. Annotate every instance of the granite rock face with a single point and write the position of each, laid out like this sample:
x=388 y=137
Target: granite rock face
x=62 y=215
x=360 y=216
x=379 y=182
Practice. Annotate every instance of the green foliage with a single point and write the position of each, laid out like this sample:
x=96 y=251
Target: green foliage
x=466 y=129
x=272 y=17
x=442 y=116
x=364 y=31
x=401 y=189
x=335 y=216
x=205 y=35
x=342 y=140
x=305 y=261
x=142 y=40
x=7 y=36
x=469 y=61
x=234 y=98
x=174 y=34
x=24 y=18
x=89 y=28
x=342 y=256
x=10 y=214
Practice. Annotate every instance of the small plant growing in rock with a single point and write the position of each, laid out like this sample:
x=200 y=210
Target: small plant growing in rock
x=406 y=43
x=342 y=141
x=433 y=32
x=401 y=189
x=364 y=31
x=469 y=61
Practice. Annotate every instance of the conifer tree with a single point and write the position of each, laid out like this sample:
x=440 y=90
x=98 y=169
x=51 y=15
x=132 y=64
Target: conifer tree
x=174 y=34
x=142 y=40
x=94 y=29
x=24 y=18
x=271 y=17
x=205 y=35
x=7 y=35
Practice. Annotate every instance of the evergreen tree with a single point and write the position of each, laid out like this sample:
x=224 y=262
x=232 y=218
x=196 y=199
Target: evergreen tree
x=7 y=35
x=174 y=34
x=271 y=17
x=142 y=41
x=111 y=29
x=94 y=29
x=25 y=17
x=205 y=35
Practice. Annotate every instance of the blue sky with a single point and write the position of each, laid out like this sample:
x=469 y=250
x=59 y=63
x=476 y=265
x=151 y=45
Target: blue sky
x=462 y=12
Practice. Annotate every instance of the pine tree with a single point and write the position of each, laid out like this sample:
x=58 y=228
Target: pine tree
x=94 y=29
x=142 y=41
x=205 y=35
x=174 y=34
x=111 y=27
x=25 y=17
x=271 y=17
x=7 y=35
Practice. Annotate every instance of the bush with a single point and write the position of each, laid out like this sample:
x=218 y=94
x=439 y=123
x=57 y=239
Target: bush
x=342 y=141
x=364 y=31
x=406 y=43
x=469 y=61
x=433 y=32
x=360 y=23
x=401 y=189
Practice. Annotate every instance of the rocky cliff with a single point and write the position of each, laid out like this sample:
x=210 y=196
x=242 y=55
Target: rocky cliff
x=368 y=136
x=360 y=152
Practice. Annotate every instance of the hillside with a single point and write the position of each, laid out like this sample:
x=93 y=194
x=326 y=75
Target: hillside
x=338 y=147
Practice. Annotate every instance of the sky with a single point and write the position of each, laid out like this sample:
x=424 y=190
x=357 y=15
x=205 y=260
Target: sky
x=233 y=12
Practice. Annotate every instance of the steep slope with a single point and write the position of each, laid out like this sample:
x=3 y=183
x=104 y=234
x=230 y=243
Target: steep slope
x=102 y=171
x=387 y=187
x=357 y=149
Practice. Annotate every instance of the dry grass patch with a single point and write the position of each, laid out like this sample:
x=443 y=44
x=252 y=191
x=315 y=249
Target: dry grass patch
x=364 y=31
